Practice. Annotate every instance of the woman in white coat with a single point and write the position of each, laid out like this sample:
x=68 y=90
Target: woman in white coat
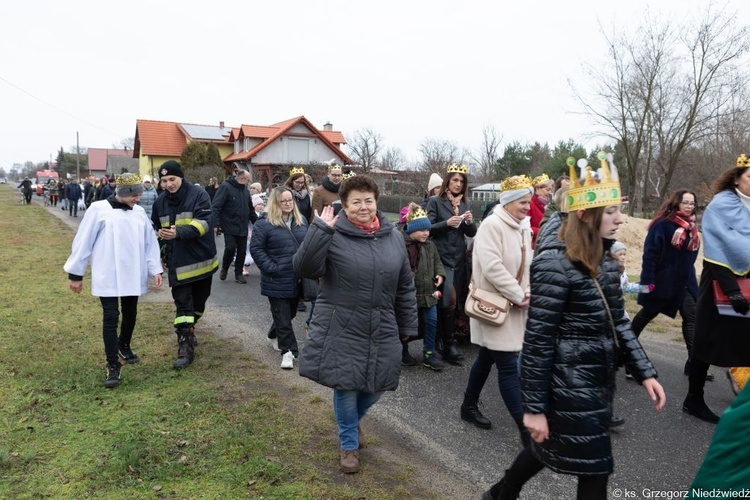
x=502 y=254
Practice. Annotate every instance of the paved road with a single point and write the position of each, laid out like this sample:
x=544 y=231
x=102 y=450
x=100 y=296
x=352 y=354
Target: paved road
x=420 y=422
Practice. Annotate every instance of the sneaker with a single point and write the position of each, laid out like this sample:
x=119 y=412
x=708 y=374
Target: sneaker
x=274 y=343
x=287 y=360
x=127 y=354
x=240 y=279
x=223 y=274
x=113 y=376
x=432 y=361
x=349 y=462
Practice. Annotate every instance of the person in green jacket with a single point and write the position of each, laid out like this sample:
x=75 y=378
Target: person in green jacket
x=725 y=467
x=428 y=276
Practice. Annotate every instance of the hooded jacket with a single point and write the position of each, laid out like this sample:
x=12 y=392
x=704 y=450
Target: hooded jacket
x=366 y=301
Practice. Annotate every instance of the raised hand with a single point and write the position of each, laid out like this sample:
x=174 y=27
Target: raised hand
x=327 y=216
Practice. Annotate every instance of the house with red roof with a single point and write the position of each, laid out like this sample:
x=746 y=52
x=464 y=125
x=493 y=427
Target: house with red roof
x=269 y=151
x=159 y=141
x=266 y=151
x=110 y=161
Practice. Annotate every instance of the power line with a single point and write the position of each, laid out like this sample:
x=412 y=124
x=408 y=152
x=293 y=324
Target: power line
x=57 y=108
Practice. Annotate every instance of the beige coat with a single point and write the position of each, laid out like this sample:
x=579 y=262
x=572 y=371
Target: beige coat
x=496 y=260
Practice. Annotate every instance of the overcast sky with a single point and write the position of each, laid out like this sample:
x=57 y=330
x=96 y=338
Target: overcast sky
x=409 y=70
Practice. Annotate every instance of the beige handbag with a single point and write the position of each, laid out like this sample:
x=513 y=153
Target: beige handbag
x=491 y=307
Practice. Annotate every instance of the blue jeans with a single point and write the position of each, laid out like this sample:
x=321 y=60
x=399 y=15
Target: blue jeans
x=350 y=407
x=429 y=319
x=507 y=378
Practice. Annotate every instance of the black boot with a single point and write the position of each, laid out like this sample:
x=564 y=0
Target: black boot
x=470 y=412
x=695 y=405
x=113 y=376
x=501 y=491
x=525 y=435
x=127 y=354
x=185 y=350
x=406 y=358
x=450 y=353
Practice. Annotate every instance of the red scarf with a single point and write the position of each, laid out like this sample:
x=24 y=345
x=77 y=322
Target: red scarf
x=367 y=227
x=685 y=225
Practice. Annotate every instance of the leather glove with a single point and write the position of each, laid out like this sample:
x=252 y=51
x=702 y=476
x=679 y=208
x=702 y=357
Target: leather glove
x=739 y=303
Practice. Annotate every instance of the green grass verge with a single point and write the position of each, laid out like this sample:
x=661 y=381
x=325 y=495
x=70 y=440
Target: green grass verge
x=224 y=428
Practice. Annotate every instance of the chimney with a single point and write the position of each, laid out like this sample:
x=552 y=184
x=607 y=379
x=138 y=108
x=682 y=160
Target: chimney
x=328 y=126
x=221 y=124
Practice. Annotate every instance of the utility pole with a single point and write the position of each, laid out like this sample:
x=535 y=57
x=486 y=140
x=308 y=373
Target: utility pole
x=78 y=159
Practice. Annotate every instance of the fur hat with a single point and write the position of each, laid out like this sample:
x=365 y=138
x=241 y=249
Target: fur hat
x=171 y=167
x=435 y=181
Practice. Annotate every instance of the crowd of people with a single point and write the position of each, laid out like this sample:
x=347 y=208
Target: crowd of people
x=548 y=248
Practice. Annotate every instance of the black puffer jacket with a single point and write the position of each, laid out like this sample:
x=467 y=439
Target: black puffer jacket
x=272 y=248
x=569 y=363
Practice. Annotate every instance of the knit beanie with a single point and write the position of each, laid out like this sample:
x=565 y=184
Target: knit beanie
x=435 y=181
x=257 y=200
x=171 y=167
x=128 y=185
x=256 y=186
x=617 y=246
x=417 y=219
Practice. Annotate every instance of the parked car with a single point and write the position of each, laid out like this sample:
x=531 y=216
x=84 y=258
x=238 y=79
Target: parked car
x=3 y=180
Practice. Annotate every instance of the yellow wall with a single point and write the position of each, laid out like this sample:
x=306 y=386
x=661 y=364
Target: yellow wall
x=149 y=165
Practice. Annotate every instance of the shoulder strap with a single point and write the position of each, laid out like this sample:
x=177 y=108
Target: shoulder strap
x=609 y=312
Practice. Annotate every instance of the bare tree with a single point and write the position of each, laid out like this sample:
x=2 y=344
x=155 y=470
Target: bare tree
x=364 y=148
x=393 y=159
x=437 y=154
x=664 y=91
x=487 y=156
x=127 y=143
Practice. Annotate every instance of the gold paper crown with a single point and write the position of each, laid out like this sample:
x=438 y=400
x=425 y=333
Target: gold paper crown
x=347 y=175
x=296 y=170
x=539 y=179
x=515 y=182
x=457 y=169
x=418 y=213
x=743 y=161
x=591 y=192
x=128 y=179
x=334 y=167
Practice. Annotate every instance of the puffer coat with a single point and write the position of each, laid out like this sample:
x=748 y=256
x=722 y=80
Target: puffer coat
x=569 y=362
x=367 y=300
x=272 y=248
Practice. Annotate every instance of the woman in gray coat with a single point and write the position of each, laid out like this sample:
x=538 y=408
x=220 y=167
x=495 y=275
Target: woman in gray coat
x=367 y=300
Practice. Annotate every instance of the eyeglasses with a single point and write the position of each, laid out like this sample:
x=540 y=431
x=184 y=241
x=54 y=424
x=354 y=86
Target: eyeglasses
x=688 y=203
